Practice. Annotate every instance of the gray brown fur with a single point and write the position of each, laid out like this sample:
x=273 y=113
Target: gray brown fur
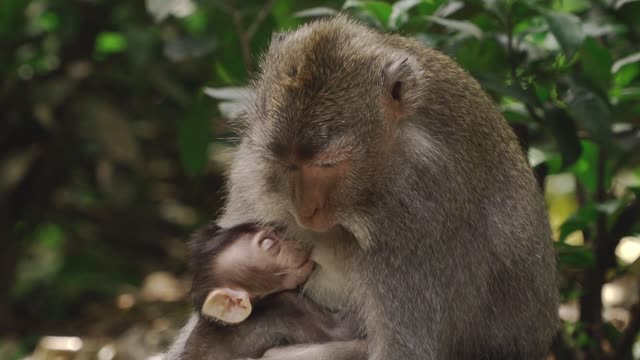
x=454 y=258
x=281 y=319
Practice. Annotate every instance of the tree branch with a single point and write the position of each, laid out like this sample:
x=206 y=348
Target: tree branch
x=628 y=338
x=513 y=65
x=621 y=228
x=560 y=349
x=510 y=51
x=246 y=36
x=594 y=277
x=262 y=14
x=604 y=247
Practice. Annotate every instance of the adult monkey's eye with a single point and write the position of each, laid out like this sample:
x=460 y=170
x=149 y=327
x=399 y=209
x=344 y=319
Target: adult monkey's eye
x=327 y=164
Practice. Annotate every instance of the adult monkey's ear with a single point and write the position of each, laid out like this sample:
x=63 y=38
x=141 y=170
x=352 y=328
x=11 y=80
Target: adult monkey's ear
x=401 y=93
x=231 y=306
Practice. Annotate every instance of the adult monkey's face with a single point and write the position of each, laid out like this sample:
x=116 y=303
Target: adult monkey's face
x=325 y=121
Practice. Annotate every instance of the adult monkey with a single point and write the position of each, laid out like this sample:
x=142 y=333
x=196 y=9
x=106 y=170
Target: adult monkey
x=356 y=137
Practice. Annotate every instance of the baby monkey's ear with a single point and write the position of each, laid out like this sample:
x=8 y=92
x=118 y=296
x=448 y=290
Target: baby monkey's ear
x=213 y=228
x=198 y=243
x=228 y=305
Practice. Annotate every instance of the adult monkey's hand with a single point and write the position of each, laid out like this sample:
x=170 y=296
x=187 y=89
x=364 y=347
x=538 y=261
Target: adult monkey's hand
x=394 y=143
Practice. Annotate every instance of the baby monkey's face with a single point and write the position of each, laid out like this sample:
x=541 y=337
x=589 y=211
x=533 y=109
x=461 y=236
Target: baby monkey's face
x=256 y=261
x=263 y=262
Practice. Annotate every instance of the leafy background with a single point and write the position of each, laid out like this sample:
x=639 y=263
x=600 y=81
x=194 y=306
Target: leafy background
x=113 y=138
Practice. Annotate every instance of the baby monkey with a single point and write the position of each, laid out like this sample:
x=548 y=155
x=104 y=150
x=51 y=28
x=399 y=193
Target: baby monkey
x=237 y=267
x=243 y=279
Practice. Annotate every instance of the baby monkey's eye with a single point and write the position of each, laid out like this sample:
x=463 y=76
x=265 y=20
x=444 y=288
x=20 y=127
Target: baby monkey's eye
x=266 y=243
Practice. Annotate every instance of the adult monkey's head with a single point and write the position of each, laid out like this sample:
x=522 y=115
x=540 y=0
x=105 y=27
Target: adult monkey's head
x=327 y=111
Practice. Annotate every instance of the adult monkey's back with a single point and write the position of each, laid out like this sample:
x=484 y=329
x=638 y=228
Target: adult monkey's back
x=393 y=142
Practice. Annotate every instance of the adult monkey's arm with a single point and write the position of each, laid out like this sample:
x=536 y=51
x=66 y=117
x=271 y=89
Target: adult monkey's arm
x=177 y=348
x=338 y=350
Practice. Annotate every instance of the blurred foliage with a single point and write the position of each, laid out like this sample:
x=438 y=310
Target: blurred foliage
x=112 y=148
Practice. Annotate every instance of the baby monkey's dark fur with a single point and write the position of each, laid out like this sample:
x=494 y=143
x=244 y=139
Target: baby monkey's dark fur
x=279 y=319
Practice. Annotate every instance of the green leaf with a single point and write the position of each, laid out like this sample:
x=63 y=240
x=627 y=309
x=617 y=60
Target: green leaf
x=193 y=139
x=429 y=7
x=281 y=12
x=481 y=56
x=50 y=235
x=580 y=220
x=400 y=12
x=542 y=91
x=14 y=349
x=574 y=256
x=161 y=9
x=572 y=6
x=621 y=3
x=567 y=29
x=498 y=85
x=196 y=23
x=234 y=100
x=14 y=167
x=110 y=42
x=316 y=12
x=498 y=7
x=449 y=8
x=554 y=162
x=626 y=74
x=377 y=10
x=11 y=15
x=583 y=340
x=229 y=93
x=565 y=133
x=48 y=21
x=45 y=258
x=627 y=60
x=188 y=48
x=596 y=63
x=610 y=207
x=586 y=168
x=591 y=113
x=612 y=333
x=224 y=74
x=463 y=27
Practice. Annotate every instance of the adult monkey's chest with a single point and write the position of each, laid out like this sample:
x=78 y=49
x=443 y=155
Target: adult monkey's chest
x=332 y=252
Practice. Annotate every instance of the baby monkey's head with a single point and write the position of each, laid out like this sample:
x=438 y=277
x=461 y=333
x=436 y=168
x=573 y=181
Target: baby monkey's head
x=236 y=266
